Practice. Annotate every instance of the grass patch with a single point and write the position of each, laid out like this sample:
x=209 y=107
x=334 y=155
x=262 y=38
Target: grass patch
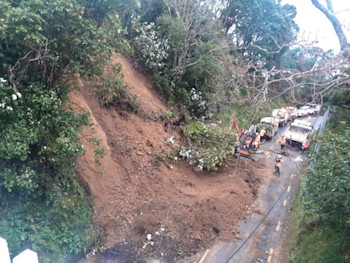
x=313 y=242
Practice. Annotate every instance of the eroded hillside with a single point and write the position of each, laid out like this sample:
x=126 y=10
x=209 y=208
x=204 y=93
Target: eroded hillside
x=137 y=193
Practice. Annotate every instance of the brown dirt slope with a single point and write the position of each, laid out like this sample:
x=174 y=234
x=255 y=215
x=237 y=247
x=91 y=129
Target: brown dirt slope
x=136 y=193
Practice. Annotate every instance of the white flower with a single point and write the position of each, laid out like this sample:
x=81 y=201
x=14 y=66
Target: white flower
x=2 y=105
x=171 y=140
x=14 y=97
x=149 y=237
x=19 y=95
x=9 y=108
x=2 y=80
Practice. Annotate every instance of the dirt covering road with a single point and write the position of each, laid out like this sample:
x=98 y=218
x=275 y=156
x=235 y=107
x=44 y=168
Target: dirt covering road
x=266 y=236
x=146 y=205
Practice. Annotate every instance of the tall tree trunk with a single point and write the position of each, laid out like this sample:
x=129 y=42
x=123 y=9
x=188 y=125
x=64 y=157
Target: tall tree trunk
x=329 y=13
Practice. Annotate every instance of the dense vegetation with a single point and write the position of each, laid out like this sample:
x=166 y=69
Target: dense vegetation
x=206 y=59
x=41 y=42
x=323 y=215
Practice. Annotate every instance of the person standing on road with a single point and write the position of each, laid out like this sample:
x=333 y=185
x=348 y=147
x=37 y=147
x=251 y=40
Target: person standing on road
x=256 y=142
x=305 y=146
x=278 y=165
x=283 y=142
x=274 y=123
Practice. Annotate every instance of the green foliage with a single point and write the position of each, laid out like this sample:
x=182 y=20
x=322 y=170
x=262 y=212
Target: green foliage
x=40 y=42
x=98 y=10
x=202 y=74
x=99 y=152
x=300 y=59
x=209 y=146
x=340 y=96
x=185 y=52
x=169 y=115
x=260 y=27
x=153 y=49
x=54 y=222
x=151 y=10
x=328 y=199
x=44 y=37
x=313 y=242
x=319 y=244
x=243 y=113
x=110 y=90
x=46 y=208
x=40 y=134
x=172 y=29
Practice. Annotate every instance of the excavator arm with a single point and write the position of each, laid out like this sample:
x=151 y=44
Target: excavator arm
x=246 y=139
x=239 y=130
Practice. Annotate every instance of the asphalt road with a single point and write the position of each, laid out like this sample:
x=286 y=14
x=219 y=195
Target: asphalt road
x=261 y=234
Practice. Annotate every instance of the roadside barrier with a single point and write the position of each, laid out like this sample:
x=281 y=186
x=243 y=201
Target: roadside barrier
x=27 y=256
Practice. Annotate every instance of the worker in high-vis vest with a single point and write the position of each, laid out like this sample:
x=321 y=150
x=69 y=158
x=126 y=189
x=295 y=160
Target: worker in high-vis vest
x=262 y=133
x=283 y=142
x=256 y=142
x=274 y=123
x=278 y=163
x=305 y=146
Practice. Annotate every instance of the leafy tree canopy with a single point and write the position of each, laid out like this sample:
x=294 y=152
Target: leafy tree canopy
x=262 y=28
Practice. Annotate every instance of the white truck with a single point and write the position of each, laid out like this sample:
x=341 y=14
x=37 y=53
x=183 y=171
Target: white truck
x=281 y=115
x=301 y=112
x=270 y=125
x=307 y=109
x=315 y=108
x=292 y=113
x=298 y=132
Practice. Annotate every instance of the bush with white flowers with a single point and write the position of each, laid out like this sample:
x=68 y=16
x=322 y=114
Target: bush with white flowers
x=153 y=48
x=209 y=145
x=198 y=106
x=8 y=96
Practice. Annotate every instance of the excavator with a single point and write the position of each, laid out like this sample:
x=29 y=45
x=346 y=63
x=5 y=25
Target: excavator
x=246 y=140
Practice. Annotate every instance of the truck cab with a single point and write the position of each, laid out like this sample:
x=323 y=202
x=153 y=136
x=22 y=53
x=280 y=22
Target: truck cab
x=292 y=113
x=298 y=132
x=307 y=109
x=301 y=112
x=316 y=108
x=281 y=115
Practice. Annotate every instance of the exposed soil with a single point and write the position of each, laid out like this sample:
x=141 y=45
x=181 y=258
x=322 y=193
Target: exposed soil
x=137 y=191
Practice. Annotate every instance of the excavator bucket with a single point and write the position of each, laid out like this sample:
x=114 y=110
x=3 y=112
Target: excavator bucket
x=244 y=152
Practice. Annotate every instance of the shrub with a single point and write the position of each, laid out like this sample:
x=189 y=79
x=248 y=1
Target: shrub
x=110 y=90
x=54 y=221
x=152 y=47
x=46 y=209
x=209 y=145
x=328 y=199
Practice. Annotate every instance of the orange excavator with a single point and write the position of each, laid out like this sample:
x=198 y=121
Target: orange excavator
x=246 y=140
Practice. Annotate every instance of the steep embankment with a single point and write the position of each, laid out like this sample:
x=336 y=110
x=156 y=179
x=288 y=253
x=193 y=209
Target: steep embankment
x=136 y=193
